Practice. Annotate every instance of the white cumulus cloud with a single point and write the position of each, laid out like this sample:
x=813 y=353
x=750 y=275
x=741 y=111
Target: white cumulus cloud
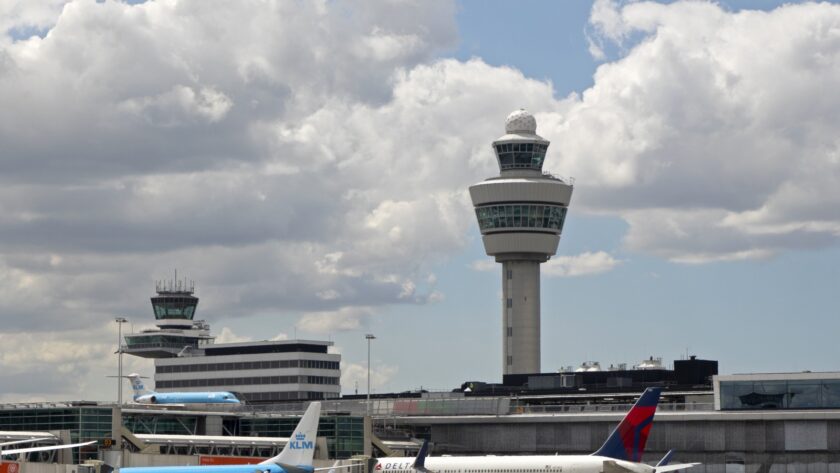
x=316 y=162
x=226 y=335
x=484 y=265
x=354 y=376
x=713 y=134
x=342 y=320
x=584 y=264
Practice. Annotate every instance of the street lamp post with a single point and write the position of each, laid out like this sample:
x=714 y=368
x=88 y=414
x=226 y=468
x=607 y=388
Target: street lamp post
x=369 y=337
x=119 y=321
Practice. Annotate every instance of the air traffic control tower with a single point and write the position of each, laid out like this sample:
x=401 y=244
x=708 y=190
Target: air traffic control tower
x=521 y=214
x=174 y=307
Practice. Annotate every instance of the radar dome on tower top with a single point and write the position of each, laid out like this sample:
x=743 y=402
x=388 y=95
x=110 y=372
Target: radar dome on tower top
x=521 y=121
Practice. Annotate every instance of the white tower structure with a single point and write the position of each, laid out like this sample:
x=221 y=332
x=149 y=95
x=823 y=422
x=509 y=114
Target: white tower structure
x=521 y=214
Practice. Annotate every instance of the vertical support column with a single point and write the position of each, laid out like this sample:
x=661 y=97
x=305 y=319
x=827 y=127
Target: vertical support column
x=368 y=437
x=521 y=316
x=507 y=317
x=213 y=425
x=116 y=427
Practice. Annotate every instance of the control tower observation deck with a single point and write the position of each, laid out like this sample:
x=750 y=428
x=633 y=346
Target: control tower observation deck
x=174 y=307
x=521 y=214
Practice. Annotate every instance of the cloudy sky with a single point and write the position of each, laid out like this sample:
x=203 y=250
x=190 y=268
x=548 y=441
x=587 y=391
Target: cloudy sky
x=306 y=163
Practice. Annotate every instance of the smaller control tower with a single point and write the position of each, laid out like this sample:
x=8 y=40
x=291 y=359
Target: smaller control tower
x=188 y=359
x=521 y=214
x=174 y=307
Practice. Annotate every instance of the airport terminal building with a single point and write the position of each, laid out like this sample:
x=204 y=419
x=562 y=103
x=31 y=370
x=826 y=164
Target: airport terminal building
x=732 y=424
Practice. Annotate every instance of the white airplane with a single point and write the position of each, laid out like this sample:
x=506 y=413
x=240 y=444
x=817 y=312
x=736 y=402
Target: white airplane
x=621 y=453
x=145 y=396
x=15 y=451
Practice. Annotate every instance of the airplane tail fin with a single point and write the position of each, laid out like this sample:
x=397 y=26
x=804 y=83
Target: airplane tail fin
x=666 y=459
x=627 y=441
x=665 y=466
x=420 y=460
x=300 y=449
x=137 y=385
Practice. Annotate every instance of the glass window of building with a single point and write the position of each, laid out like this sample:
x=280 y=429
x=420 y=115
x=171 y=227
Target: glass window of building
x=830 y=390
x=804 y=395
x=521 y=155
x=780 y=394
x=521 y=216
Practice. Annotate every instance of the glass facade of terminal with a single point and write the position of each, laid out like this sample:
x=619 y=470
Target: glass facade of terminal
x=521 y=216
x=784 y=394
x=345 y=434
x=521 y=155
x=82 y=423
x=161 y=341
x=162 y=424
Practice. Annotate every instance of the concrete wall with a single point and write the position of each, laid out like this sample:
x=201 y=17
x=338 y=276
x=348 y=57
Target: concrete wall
x=26 y=467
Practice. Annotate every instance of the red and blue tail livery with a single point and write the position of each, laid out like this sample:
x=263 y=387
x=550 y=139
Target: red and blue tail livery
x=627 y=441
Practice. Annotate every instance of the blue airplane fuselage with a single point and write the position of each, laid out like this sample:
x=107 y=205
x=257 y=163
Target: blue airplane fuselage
x=216 y=397
x=268 y=468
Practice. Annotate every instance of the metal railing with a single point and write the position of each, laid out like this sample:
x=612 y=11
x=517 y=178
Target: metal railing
x=461 y=407
x=607 y=408
x=454 y=406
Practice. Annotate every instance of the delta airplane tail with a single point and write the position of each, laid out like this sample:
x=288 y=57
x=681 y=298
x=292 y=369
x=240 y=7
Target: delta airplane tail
x=627 y=441
x=300 y=449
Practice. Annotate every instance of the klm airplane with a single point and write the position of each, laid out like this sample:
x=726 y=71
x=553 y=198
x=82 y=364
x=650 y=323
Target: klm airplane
x=144 y=396
x=296 y=456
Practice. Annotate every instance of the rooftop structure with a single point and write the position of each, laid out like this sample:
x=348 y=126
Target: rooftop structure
x=174 y=308
x=521 y=214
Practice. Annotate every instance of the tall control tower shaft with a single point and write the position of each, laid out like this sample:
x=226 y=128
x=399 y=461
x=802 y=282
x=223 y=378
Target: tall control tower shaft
x=521 y=214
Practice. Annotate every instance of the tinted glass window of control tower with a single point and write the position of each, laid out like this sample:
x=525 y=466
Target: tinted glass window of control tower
x=174 y=308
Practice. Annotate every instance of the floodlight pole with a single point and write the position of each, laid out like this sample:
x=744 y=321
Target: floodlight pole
x=119 y=321
x=369 y=337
